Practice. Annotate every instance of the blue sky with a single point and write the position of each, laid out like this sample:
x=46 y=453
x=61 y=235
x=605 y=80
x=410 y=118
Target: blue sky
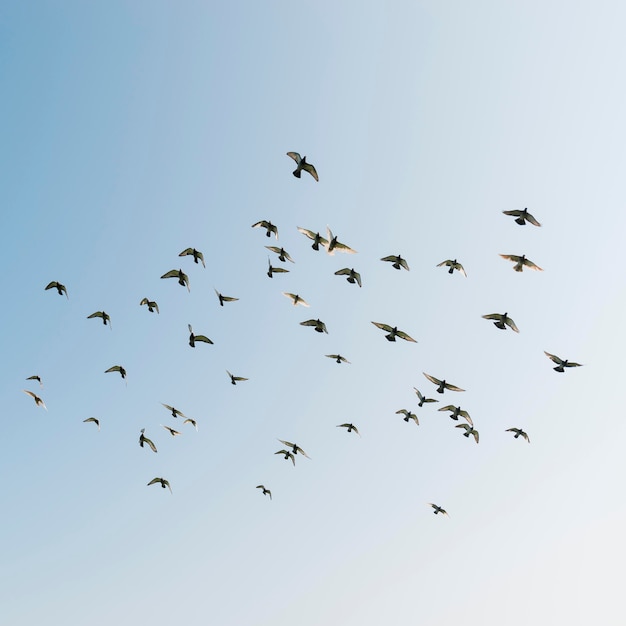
x=133 y=130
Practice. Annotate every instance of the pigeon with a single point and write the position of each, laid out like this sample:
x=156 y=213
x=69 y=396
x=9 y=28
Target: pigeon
x=335 y=244
x=95 y=420
x=456 y=412
x=422 y=398
x=397 y=261
x=266 y=492
x=143 y=439
x=518 y=432
x=520 y=261
x=522 y=217
x=296 y=299
x=408 y=416
x=275 y=270
x=269 y=227
x=438 y=509
x=37 y=399
x=183 y=279
x=320 y=327
x=560 y=363
x=164 y=483
x=171 y=431
x=288 y=455
x=105 y=317
x=301 y=164
x=117 y=368
x=151 y=304
x=283 y=255
x=338 y=358
x=353 y=276
x=191 y=421
x=37 y=378
x=315 y=237
x=453 y=265
x=502 y=320
x=294 y=448
x=195 y=253
x=442 y=384
x=469 y=430
x=350 y=428
x=393 y=332
x=235 y=379
x=223 y=299
x=175 y=412
x=59 y=287
x=193 y=338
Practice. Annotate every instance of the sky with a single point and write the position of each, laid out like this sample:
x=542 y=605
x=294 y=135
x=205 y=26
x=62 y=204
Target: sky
x=134 y=130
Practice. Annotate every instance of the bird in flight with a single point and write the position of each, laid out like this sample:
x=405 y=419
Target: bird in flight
x=269 y=227
x=171 y=431
x=349 y=428
x=338 y=358
x=522 y=217
x=117 y=368
x=408 y=416
x=223 y=299
x=397 y=261
x=235 y=379
x=266 y=492
x=442 y=384
x=437 y=509
x=191 y=421
x=143 y=439
x=352 y=275
x=520 y=262
x=59 y=287
x=294 y=448
x=283 y=255
x=393 y=332
x=275 y=270
x=37 y=399
x=456 y=412
x=423 y=399
x=295 y=299
x=301 y=164
x=195 y=253
x=315 y=237
x=453 y=265
x=105 y=317
x=183 y=279
x=95 y=420
x=561 y=363
x=288 y=455
x=502 y=320
x=469 y=430
x=37 y=378
x=193 y=338
x=335 y=244
x=151 y=304
x=518 y=432
x=175 y=412
x=163 y=481
x=319 y=326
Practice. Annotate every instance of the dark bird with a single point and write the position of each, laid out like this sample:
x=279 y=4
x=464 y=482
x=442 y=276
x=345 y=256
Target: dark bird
x=37 y=378
x=301 y=164
x=151 y=304
x=269 y=227
x=422 y=398
x=501 y=321
x=352 y=276
x=191 y=421
x=288 y=455
x=275 y=270
x=195 y=253
x=175 y=412
x=560 y=363
x=453 y=265
x=235 y=379
x=266 y=492
x=193 y=338
x=522 y=217
x=105 y=317
x=520 y=261
x=223 y=299
x=338 y=358
x=143 y=439
x=319 y=326
x=408 y=416
x=518 y=432
x=315 y=237
x=397 y=261
x=117 y=368
x=393 y=332
x=294 y=448
x=95 y=420
x=183 y=279
x=164 y=483
x=469 y=430
x=456 y=412
x=283 y=255
x=59 y=287
x=350 y=428
x=438 y=509
x=335 y=244
x=295 y=299
x=37 y=399
x=442 y=384
x=171 y=431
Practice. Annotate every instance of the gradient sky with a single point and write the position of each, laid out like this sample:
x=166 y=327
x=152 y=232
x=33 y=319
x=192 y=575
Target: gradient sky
x=133 y=130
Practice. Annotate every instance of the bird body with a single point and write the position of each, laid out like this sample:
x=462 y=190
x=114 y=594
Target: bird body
x=301 y=164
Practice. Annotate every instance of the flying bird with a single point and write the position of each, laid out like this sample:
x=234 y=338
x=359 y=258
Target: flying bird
x=59 y=287
x=442 y=384
x=397 y=261
x=37 y=399
x=95 y=420
x=223 y=299
x=266 y=492
x=195 y=253
x=350 y=428
x=164 y=483
x=338 y=358
x=522 y=217
x=393 y=332
x=453 y=265
x=105 y=317
x=275 y=270
x=183 y=279
x=235 y=379
x=191 y=421
x=315 y=237
x=283 y=255
x=561 y=363
x=37 y=378
x=117 y=368
x=288 y=455
x=269 y=227
x=151 y=304
x=520 y=261
x=193 y=338
x=143 y=439
x=175 y=412
x=422 y=398
x=518 y=432
x=335 y=244
x=438 y=509
x=456 y=412
x=408 y=416
x=301 y=164
x=352 y=276
x=294 y=448
x=171 y=431
x=320 y=327
x=502 y=320
x=296 y=299
x=469 y=430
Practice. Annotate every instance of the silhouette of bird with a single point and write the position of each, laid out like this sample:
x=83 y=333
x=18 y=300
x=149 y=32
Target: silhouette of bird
x=315 y=237
x=59 y=287
x=353 y=277
x=193 y=338
x=522 y=217
x=191 y=421
x=442 y=384
x=335 y=244
x=171 y=431
x=175 y=412
x=164 y=483
x=117 y=368
x=266 y=492
x=408 y=416
x=393 y=332
x=453 y=265
x=283 y=255
x=296 y=299
x=37 y=399
x=438 y=509
x=151 y=304
x=518 y=432
x=469 y=430
x=338 y=358
x=319 y=326
x=520 y=261
x=294 y=448
x=235 y=379
x=105 y=317
x=183 y=279
x=288 y=455
x=422 y=398
x=561 y=363
x=269 y=227
x=350 y=428
x=275 y=270
x=456 y=412
x=223 y=299
x=397 y=261
x=95 y=420
x=143 y=439
x=301 y=164
x=195 y=253
x=502 y=320
x=37 y=378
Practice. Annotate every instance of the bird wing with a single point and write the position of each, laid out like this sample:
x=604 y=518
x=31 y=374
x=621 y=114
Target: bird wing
x=572 y=364
x=295 y=156
x=532 y=265
x=115 y=368
x=311 y=170
x=309 y=323
x=553 y=357
x=203 y=338
x=514 y=212
x=287 y=443
x=446 y=262
x=51 y=284
x=186 y=252
x=461 y=269
x=150 y=443
x=432 y=379
x=405 y=336
x=532 y=220
x=475 y=433
x=382 y=326
x=342 y=247
x=465 y=427
x=192 y=422
x=96 y=314
x=494 y=316
x=345 y=271
x=229 y=299
x=512 y=257
x=509 y=322
x=308 y=233
x=154 y=481
x=302 y=452
x=261 y=224
x=171 y=274
x=453 y=387
x=450 y=407
x=201 y=257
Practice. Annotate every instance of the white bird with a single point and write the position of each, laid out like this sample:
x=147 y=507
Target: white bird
x=520 y=261
x=502 y=320
x=295 y=299
x=301 y=164
x=335 y=244
x=561 y=363
x=522 y=217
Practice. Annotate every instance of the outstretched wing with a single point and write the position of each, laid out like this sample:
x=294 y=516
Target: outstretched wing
x=432 y=379
x=295 y=156
x=382 y=326
x=311 y=170
x=453 y=387
x=170 y=274
x=405 y=336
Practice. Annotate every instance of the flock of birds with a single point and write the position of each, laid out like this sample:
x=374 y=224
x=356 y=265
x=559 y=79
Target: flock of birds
x=330 y=244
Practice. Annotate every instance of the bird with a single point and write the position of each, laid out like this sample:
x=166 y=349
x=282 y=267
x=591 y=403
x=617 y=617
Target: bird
x=437 y=509
x=105 y=317
x=353 y=276
x=315 y=237
x=195 y=253
x=296 y=299
x=275 y=270
x=283 y=255
x=269 y=227
x=393 y=332
x=117 y=368
x=453 y=265
x=422 y=398
x=520 y=261
x=193 y=338
x=408 y=416
x=350 y=428
x=143 y=439
x=320 y=327
x=518 y=432
x=183 y=279
x=191 y=421
x=561 y=363
x=522 y=217
x=151 y=304
x=456 y=412
x=163 y=481
x=502 y=320
x=335 y=244
x=397 y=261
x=288 y=455
x=301 y=164
x=442 y=384
x=338 y=358
x=37 y=378
x=37 y=399
x=223 y=299
x=95 y=420
x=59 y=287
x=175 y=412
x=235 y=379
x=294 y=448
x=469 y=430
x=171 y=431
x=266 y=492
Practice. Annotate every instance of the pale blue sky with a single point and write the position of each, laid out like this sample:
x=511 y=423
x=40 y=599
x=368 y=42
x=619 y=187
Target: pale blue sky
x=133 y=130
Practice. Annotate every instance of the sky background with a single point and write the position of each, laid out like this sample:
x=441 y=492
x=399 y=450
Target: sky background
x=133 y=130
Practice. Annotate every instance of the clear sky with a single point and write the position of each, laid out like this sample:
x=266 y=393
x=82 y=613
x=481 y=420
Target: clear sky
x=134 y=130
